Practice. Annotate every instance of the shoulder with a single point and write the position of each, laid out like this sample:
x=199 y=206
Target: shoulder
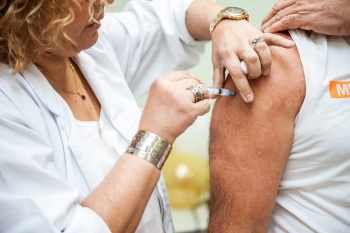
x=269 y=119
x=280 y=92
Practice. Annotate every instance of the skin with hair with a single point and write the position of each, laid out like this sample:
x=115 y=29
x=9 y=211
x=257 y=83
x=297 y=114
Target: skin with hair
x=250 y=144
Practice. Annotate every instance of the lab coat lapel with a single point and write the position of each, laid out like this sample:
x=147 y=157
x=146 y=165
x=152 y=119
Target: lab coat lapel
x=39 y=84
x=65 y=123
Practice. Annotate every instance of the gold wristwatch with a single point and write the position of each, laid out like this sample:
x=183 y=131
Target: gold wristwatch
x=234 y=13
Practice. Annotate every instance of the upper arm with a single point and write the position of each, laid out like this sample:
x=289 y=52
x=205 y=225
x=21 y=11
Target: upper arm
x=250 y=143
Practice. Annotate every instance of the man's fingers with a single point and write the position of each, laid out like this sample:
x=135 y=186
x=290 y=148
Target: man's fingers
x=267 y=20
x=279 y=10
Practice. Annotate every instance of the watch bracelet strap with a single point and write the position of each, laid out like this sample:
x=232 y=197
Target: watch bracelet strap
x=219 y=17
x=215 y=22
x=150 y=147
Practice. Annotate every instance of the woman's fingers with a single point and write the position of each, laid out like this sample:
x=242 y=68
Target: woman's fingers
x=199 y=92
x=174 y=103
x=247 y=44
x=264 y=54
x=276 y=40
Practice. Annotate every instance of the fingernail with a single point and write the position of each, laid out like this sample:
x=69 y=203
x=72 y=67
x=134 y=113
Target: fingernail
x=249 y=98
x=267 y=30
x=265 y=71
x=289 y=43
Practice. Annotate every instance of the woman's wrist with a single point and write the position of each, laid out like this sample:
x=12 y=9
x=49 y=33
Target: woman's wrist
x=199 y=16
x=150 y=147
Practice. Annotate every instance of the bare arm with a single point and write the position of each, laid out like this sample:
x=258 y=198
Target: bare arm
x=250 y=144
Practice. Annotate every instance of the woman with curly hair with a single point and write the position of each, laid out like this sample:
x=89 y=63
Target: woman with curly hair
x=76 y=152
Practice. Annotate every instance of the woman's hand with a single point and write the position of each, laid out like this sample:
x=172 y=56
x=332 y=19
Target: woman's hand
x=232 y=42
x=171 y=106
x=322 y=16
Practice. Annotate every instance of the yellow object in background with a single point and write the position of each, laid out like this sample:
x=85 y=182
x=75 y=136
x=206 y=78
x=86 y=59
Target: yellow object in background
x=187 y=180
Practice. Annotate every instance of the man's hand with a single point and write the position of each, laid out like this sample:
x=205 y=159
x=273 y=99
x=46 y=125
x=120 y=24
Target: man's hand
x=321 y=16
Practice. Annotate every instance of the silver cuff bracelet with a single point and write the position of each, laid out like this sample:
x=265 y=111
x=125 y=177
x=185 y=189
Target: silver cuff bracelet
x=150 y=147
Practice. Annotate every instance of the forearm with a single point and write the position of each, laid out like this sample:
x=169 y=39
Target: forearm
x=121 y=198
x=199 y=16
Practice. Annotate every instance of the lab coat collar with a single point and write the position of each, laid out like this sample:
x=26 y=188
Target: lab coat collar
x=66 y=122
x=48 y=96
x=119 y=106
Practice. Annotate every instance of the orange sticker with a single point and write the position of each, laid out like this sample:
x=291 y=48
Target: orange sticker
x=339 y=89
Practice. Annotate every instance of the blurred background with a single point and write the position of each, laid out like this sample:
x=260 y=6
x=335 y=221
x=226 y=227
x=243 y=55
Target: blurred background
x=186 y=172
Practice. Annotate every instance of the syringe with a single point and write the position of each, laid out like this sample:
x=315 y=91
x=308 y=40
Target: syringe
x=219 y=91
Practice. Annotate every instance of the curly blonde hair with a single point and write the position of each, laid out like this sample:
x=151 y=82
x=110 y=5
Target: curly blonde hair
x=31 y=27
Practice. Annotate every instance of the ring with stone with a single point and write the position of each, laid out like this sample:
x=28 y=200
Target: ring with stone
x=257 y=40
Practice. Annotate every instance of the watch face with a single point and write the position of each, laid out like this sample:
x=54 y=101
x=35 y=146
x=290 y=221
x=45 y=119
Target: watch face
x=235 y=11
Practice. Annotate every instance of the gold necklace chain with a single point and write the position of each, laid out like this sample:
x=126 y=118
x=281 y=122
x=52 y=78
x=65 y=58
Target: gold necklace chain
x=82 y=96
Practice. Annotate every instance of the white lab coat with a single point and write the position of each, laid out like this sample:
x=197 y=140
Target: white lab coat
x=45 y=168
